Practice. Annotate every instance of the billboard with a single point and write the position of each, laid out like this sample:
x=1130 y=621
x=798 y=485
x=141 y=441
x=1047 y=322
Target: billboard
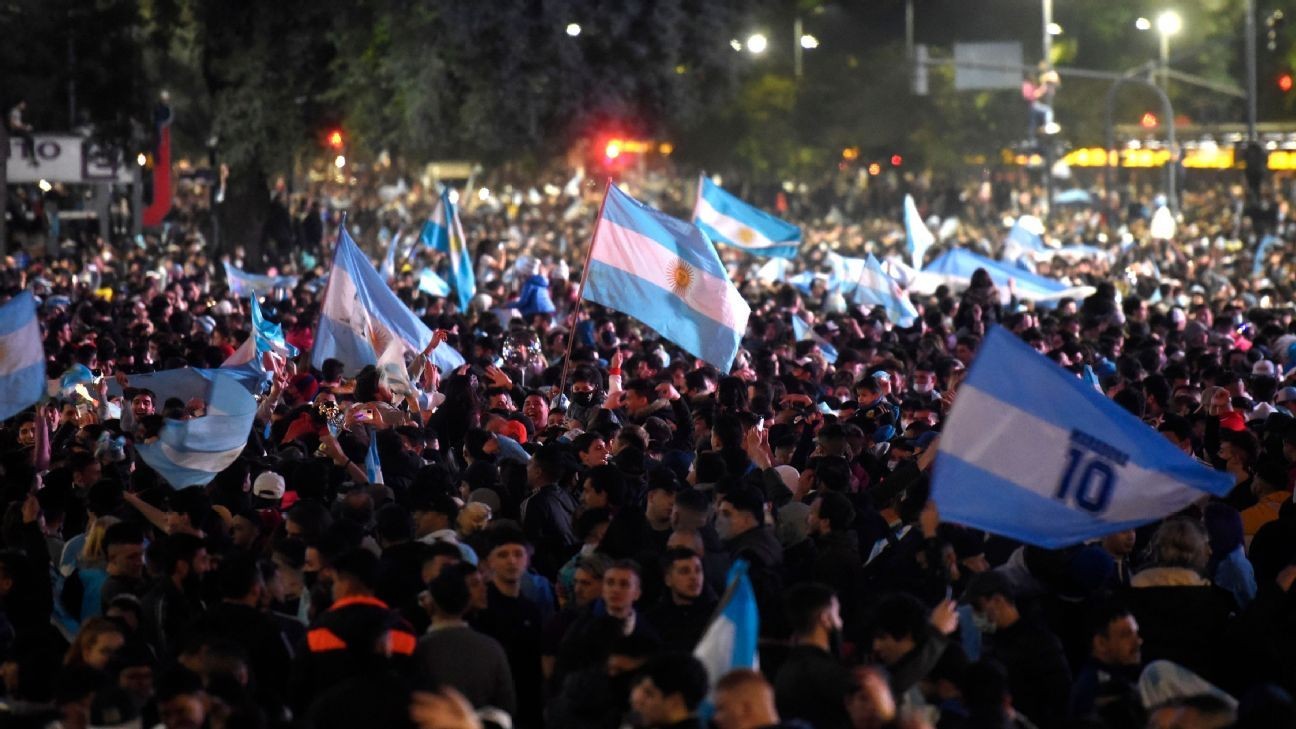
x=66 y=158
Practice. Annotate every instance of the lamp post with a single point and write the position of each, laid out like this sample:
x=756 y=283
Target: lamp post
x=1168 y=23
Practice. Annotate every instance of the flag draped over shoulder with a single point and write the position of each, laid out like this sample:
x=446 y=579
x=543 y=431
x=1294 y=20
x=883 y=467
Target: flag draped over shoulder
x=1034 y=453
x=665 y=273
x=443 y=232
x=729 y=220
x=191 y=452
x=22 y=356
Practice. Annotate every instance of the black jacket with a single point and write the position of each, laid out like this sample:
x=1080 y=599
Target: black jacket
x=812 y=686
x=1038 y=675
x=547 y=520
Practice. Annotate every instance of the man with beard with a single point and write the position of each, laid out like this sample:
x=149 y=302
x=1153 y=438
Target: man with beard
x=812 y=684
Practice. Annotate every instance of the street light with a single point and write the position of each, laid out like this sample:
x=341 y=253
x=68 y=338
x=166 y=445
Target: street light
x=1168 y=23
x=1054 y=29
x=809 y=42
x=573 y=29
x=757 y=43
x=1143 y=24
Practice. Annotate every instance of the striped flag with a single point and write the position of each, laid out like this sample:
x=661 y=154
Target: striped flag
x=730 y=639
x=444 y=232
x=804 y=332
x=191 y=452
x=729 y=220
x=22 y=356
x=917 y=238
x=373 y=466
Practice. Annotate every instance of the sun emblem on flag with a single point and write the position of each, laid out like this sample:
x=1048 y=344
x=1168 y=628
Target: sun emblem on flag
x=681 y=277
x=746 y=235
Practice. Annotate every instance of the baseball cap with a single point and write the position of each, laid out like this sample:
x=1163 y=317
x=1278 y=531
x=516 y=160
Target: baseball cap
x=1264 y=367
x=1286 y=394
x=268 y=485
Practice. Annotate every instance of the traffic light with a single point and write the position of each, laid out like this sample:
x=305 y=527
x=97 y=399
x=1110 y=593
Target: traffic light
x=1149 y=120
x=896 y=160
x=1285 y=82
x=612 y=150
x=336 y=141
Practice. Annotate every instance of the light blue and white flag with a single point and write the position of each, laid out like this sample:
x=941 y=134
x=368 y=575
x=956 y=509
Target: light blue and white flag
x=846 y=272
x=22 y=356
x=191 y=452
x=1033 y=453
x=806 y=333
x=917 y=238
x=361 y=318
x=388 y=269
x=667 y=274
x=74 y=375
x=876 y=288
x=373 y=466
x=955 y=267
x=730 y=639
x=432 y=284
x=242 y=283
x=266 y=336
x=1262 y=250
x=444 y=232
x=773 y=271
x=729 y=220
x=1025 y=239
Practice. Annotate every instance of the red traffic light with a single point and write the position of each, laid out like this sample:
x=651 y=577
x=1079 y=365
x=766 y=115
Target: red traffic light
x=335 y=139
x=613 y=149
x=1285 y=82
x=1149 y=120
x=896 y=160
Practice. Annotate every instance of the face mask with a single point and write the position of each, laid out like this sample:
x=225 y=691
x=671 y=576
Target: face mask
x=983 y=623
x=922 y=388
x=584 y=399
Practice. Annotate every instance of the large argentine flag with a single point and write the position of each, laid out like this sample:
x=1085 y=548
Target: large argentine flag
x=730 y=639
x=22 y=356
x=876 y=288
x=191 y=452
x=955 y=267
x=444 y=232
x=1033 y=453
x=242 y=283
x=917 y=238
x=361 y=315
x=729 y=220
x=665 y=273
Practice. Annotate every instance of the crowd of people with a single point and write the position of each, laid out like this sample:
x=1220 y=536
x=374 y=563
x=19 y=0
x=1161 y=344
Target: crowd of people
x=535 y=558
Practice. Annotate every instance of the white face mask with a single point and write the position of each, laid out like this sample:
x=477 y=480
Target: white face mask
x=922 y=388
x=983 y=623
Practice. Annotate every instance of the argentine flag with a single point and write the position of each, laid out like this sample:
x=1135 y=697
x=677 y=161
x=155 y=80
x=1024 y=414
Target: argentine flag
x=373 y=466
x=917 y=238
x=22 y=356
x=444 y=232
x=1025 y=238
x=432 y=284
x=728 y=220
x=804 y=332
x=266 y=336
x=730 y=639
x=241 y=283
x=360 y=314
x=191 y=452
x=665 y=273
x=876 y=288
x=1033 y=453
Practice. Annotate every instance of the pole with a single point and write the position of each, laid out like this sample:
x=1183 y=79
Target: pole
x=1049 y=148
x=1251 y=69
x=909 y=30
x=1165 y=61
x=1167 y=110
x=1047 y=45
x=797 y=52
x=580 y=293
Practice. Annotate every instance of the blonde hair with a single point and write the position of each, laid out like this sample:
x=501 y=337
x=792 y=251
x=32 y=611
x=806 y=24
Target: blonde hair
x=93 y=553
x=473 y=517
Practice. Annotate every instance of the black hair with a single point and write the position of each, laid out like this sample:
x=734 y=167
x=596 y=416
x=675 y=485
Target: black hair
x=677 y=673
x=449 y=589
x=836 y=509
x=358 y=564
x=900 y=615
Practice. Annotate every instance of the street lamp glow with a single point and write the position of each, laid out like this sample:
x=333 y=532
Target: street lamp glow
x=809 y=42
x=141 y=159
x=735 y=44
x=757 y=43
x=1143 y=24
x=1169 y=23
x=1054 y=29
x=339 y=162
x=573 y=29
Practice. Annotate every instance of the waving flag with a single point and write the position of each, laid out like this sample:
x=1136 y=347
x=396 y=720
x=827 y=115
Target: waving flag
x=361 y=321
x=432 y=284
x=1262 y=252
x=730 y=639
x=1033 y=453
x=388 y=269
x=22 y=356
x=373 y=466
x=444 y=232
x=191 y=452
x=266 y=336
x=876 y=288
x=804 y=332
x=1024 y=239
x=665 y=273
x=917 y=238
x=242 y=283
x=955 y=267
x=729 y=220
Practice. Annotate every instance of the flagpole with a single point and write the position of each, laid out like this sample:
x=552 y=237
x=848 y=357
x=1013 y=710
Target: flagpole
x=580 y=292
